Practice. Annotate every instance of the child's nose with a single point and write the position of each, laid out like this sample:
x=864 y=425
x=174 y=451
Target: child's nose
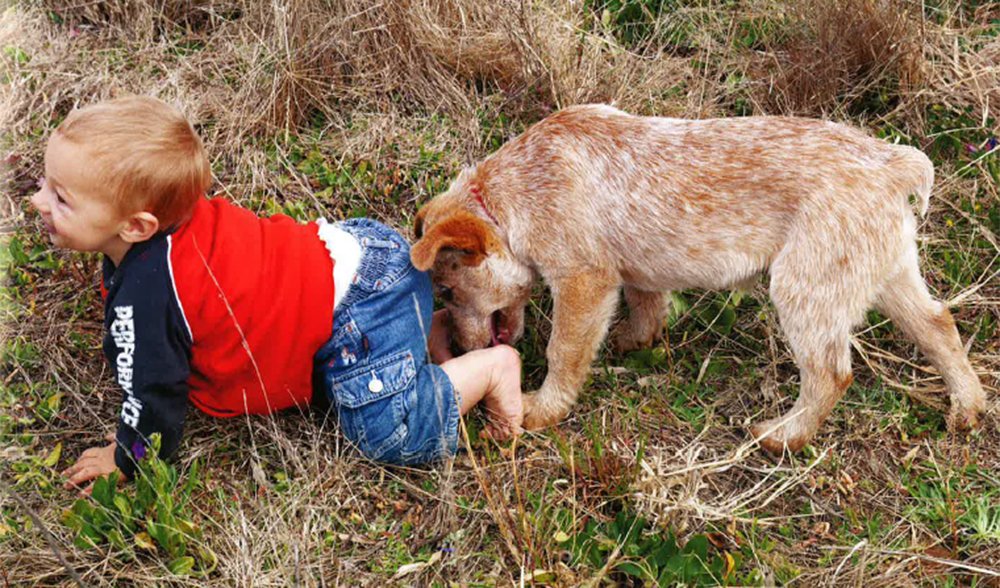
x=39 y=201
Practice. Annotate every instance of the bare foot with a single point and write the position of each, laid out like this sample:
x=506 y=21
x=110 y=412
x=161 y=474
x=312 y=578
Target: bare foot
x=505 y=412
x=492 y=377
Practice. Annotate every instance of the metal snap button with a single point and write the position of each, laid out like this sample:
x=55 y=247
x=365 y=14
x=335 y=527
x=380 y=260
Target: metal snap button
x=375 y=386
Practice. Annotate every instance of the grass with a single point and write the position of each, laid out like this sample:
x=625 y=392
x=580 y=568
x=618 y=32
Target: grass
x=335 y=109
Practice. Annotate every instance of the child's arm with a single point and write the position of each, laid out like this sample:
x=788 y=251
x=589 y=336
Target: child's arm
x=164 y=409
x=148 y=345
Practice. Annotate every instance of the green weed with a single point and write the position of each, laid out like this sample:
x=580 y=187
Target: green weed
x=24 y=262
x=588 y=461
x=953 y=503
x=981 y=519
x=154 y=517
x=634 y=553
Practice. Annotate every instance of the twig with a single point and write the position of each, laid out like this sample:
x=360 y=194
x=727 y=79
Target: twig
x=938 y=560
x=49 y=537
x=860 y=544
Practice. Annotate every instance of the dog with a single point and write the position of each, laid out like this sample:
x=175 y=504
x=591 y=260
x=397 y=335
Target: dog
x=595 y=201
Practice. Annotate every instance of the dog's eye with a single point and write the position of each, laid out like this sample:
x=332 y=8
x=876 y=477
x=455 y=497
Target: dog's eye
x=446 y=294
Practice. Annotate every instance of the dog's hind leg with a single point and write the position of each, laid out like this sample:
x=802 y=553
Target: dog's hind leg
x=825 y=367
x=906 y=301
x=645 y=320
x=582 y=308
x=817 y=302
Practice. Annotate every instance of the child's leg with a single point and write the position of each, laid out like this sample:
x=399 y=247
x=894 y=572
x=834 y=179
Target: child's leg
x=492 y=376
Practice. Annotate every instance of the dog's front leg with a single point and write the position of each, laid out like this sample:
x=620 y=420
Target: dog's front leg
x=583 y=306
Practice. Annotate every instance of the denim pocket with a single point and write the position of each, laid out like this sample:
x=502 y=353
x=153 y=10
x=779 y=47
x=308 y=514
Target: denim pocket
x=346 y=347
x=375 y=381
x=373 y=406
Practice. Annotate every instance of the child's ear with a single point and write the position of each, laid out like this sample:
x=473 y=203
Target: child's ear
x=139 y=227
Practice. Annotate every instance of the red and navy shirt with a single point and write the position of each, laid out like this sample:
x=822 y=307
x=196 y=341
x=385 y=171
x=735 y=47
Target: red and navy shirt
x=227 y=312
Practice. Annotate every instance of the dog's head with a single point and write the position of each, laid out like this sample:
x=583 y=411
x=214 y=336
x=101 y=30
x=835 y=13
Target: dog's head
x=483 y=286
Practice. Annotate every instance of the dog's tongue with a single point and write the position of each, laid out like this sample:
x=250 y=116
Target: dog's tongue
x=494 y=327
x=498 y=334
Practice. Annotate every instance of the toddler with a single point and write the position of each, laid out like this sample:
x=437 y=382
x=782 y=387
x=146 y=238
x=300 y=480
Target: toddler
x=205 y=302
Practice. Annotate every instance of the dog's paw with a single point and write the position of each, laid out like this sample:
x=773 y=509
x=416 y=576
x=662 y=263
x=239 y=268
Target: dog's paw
x=535 y=415
x=624 y=340
x=963 y=418
x=775 y=441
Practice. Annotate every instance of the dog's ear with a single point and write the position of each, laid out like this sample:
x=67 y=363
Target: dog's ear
x=463 y=232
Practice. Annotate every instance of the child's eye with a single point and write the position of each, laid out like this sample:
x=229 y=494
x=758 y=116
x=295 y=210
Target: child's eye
x=59 y=197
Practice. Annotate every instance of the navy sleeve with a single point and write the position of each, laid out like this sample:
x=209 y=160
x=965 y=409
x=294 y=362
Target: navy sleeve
x=148 y=346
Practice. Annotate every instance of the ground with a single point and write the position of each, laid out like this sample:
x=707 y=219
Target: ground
x=345 y=109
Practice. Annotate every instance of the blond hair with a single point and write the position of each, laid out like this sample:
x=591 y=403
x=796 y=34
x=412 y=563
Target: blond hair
x=148 y=155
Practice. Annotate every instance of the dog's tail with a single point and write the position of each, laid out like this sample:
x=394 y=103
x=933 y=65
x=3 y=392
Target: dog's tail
x=914 y=174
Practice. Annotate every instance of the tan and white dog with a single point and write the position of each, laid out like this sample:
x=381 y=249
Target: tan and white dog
x=594 y=200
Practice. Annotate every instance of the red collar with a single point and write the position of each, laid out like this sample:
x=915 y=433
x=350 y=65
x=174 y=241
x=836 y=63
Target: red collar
x=478 y=195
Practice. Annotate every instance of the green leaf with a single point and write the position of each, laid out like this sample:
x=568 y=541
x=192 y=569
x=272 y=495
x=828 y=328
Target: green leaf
x=193 y=481
x=674 y=569
x=99 y=518
x=157 y=532
x=181 y=566
x=634 y=570
x=187 y=527
x=678 y=306
x=697 y=545
x=208 y=559
x=52 y=402
x=665 y=551
x=144 y=541
x=16 y=248
x=53 y=457
x=71 y=519
x=726 y=320
x=116 y=538
x=175 y=544
x=104 y=492
x=994 y=169
x=122 y=504
x=17 y=54
x=90 y=533
x=84 y=540
x=693 y=568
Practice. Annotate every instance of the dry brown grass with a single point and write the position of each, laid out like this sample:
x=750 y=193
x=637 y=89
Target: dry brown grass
x=389 y=82
x=840 y=51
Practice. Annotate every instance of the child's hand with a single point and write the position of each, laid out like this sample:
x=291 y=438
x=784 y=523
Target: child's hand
x=94 y=462
x=439 y=341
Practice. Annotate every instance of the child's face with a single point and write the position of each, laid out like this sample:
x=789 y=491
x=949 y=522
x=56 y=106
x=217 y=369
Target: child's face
x=77 y=214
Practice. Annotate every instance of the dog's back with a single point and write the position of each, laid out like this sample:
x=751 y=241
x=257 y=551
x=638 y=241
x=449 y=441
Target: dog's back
x=696 y=203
